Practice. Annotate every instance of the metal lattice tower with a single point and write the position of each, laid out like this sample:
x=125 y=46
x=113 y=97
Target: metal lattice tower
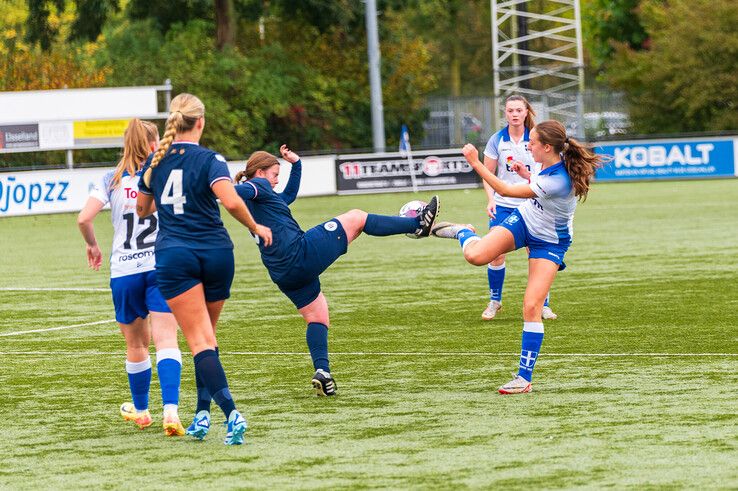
x=537 y=51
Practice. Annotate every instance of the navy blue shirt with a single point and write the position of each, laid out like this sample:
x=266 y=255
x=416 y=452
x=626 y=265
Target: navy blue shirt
x=271 y=209
x=189 y=215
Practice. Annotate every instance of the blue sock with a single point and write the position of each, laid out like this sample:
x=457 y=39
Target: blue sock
x=210 y=371
x=466 y=236
x=548 y=297
x=531 y=345
x=382 y=225
x=203 y=396
x=496 y=277
x=169 y=369
x=139 y=379
x=317 y=341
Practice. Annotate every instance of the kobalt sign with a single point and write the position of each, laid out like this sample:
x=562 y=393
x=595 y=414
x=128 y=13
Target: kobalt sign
x=669 y=159
x=433 y=170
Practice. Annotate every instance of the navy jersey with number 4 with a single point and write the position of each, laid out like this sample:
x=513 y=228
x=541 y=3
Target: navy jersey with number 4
x=271 y=209
x=189 y=215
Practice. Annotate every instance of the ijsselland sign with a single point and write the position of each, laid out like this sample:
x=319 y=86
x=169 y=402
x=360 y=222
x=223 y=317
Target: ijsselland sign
x=668 y=159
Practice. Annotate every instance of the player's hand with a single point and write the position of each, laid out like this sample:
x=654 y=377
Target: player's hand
x=288 y=154
x=491 y=209
x=265 y=233
x=519 y=168
x=94 y=257
x=471 y=154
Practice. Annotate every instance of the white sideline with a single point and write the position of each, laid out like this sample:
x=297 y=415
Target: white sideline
x=32 y=289
x=59 y=328
x=390 y=353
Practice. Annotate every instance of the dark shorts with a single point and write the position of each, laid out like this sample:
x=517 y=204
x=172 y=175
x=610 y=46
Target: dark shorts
x=539 y=249
x=501 y=212
x=318 y=249
x=179 y=269
x=135 y=296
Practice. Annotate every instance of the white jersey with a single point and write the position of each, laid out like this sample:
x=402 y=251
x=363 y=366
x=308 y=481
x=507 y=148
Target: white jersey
x=503 y=149
x=550 y=215
x=133 y=237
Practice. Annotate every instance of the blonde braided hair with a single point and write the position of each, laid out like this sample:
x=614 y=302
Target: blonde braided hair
x=184 y=111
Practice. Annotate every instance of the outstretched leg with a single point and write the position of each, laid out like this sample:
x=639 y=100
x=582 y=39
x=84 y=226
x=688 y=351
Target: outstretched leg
x=356 y=221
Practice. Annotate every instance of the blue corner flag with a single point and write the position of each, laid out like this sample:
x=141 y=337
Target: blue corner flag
x=404 y=141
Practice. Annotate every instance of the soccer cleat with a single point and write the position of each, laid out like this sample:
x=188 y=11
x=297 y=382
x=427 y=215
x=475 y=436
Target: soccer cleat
x=428 y=217
x=491 y=311
x=172 y=424
x=324 y=384
x=200 y=425
x=141 y=418
x=235 y=429
x=547 y=313
x=448 y=230
x=518 y=385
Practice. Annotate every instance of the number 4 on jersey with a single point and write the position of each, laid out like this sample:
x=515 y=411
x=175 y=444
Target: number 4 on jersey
x=172 y=194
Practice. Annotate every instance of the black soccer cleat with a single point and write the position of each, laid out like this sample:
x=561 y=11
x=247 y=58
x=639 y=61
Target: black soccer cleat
x=324 y=384
x=428 y=217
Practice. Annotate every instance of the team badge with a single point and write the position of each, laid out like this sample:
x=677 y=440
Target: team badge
x=330 y=226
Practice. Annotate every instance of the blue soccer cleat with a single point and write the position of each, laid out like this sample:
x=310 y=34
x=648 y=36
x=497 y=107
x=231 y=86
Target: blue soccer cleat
x=235 y=429
x=200 y=425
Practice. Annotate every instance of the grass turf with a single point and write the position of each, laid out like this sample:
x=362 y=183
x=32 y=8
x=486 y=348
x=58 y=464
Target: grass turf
x=651 y=284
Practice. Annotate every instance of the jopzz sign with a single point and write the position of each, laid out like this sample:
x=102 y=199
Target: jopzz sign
x=669 y=159
x=30 y=193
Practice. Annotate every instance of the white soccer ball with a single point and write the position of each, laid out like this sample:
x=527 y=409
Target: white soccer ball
x=412 y=209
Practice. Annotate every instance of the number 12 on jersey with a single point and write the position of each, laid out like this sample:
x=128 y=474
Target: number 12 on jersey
x=172 y=194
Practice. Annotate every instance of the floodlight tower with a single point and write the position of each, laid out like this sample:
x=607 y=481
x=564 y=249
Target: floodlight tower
x=537 y=52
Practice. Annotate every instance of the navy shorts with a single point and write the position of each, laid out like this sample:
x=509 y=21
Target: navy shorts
x=318 y=249
x=501 y=212
x=179 y=269
x=539 y=249
x=135 y=296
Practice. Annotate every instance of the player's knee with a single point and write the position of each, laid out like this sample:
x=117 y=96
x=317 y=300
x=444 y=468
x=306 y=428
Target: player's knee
x=498 y=261
x=359 y=216
x=474 y=255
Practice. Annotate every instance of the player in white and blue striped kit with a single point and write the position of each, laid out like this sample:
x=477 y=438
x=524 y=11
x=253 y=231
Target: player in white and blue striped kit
x=506 y=150
x=543 y=223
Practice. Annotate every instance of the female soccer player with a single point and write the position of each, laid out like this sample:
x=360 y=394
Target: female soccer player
x=297 y=258
x=508 y=149
x=194 y=254
x=543 y=223
x=133 y=281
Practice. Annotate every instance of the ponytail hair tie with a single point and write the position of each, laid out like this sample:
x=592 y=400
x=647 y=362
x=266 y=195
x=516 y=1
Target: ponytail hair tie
x=566 y=140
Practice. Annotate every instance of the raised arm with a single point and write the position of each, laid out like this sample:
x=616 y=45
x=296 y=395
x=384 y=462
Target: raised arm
x=232 y=202
x=501 y=187
x=293 y=184
x=491 y=165
x=84 y=222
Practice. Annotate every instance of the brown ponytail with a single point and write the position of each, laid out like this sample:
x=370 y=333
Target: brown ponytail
x=581 y=163
x=258 y=160
x=184 y=111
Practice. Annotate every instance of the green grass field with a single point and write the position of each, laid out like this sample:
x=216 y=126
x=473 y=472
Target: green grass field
x=635 y=385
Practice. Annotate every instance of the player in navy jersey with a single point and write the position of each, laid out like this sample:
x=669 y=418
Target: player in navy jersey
x=297 y=258
x=194 y=253
x=133 y=281
x=507 y=150
x=543 y=223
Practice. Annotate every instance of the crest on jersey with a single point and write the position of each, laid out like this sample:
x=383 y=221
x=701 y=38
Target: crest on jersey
x=330 y=226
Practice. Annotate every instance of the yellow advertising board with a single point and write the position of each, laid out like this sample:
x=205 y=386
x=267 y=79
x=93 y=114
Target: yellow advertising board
x=100 y=130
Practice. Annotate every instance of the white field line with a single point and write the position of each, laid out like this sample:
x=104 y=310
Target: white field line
x=31 y=289
x=391 y=353
x=58 y=328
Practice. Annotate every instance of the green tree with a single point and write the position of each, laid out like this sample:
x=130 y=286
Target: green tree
x=90 y=16
x=606 y=23
x=688 y=78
